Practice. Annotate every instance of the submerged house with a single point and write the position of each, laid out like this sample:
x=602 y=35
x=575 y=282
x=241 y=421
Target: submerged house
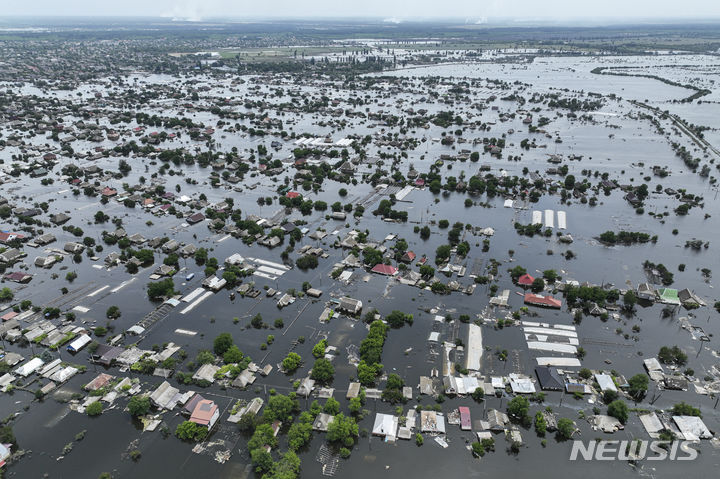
x=350 y=305
x=645 y=291
x=543 y=301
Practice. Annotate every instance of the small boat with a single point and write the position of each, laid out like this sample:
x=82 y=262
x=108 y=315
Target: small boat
x=189 y=277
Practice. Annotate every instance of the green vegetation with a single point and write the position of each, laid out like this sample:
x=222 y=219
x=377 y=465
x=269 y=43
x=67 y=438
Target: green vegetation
x=672 y=355
x=94 y=409
x=397 y=319
x=291 y=362
x=518 y=409
x=638 y=386
x=626 y=237
x=139 y=405
x=160 y=289
x=619 y=410
x=222 y=343
x=191 y=432
x=565 y=428
x=322 y=371
x=683 y=409
x=342 y=430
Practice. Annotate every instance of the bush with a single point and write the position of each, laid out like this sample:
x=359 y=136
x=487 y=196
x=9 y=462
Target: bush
x=6 y=294
x=307 y=262
x=619 y=410
x=672 y=355
x=291 y=362
x=190 y=431
x=113 y=312
x=565 y=428
x=638 y=386
x=161 y=289
x=222 y=343
x=94 y=409
x=139 y=405
x=323 y=371
x=683 y=409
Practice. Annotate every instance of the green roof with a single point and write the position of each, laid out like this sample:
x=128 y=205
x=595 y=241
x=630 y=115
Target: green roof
x=669 y=295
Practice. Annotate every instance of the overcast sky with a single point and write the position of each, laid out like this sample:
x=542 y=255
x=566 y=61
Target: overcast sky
x=472 y=10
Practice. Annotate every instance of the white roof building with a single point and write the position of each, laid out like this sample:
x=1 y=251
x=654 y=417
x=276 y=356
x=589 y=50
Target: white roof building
x=29 y=367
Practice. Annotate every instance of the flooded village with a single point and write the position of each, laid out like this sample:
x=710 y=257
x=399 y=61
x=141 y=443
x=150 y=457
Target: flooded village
x=285 y=251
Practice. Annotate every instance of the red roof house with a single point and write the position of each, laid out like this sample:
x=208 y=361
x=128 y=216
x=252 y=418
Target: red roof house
x=18 y=277
x=408 y=257
x=385 y=269
x=9 y=316
x=292 y=194
x=544 y=301
x=205 y=413
x=465 y=422
x=525 y=280
x=7 y=237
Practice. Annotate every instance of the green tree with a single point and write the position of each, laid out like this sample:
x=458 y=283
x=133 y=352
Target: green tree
x=629 y=300
x=516 y=272
x=565 y=428
x=262 y=436
x=288 y=467
x=682 y=409
x=281 y=407
x=638 y=386
x=113 y=312
x=538 y=285
x=205 y=357
x=291 y=362
x=569 y=182
x=261 y=459
x=550 y=275
x=233 y=355
x=540 y=424
x=161 y=289
x=222 y=343
x=427 y=271
x=672 y=355
x=367 y=373
x=355 y=406
x=332 y=406
x=518 y=408
x=397 y=319
x=6 y=294
x=322 y=371
x=619 y=410
x=299 y=435
x=318 y=350
x=478 y=394
x=342 y=430
x=139 y=405
x=94 y=409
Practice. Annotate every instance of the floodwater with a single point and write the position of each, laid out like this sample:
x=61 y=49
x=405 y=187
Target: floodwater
x=617 y=143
